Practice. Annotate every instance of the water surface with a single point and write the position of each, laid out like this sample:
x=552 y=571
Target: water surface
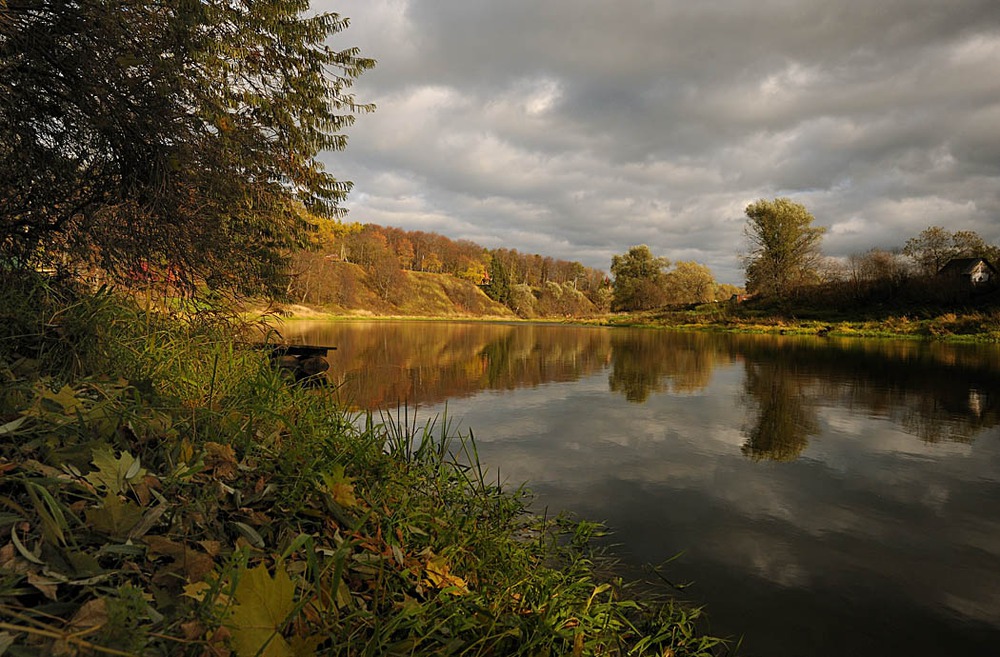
x=827 y=497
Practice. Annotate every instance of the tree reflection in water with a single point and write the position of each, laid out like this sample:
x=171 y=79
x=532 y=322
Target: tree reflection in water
x=784 y=420
x=644 y=362
x=937 y=392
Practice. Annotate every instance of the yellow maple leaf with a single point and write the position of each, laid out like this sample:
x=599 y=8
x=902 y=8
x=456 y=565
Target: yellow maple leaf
x=261 y=606
x=438 y=575
x=114 y=517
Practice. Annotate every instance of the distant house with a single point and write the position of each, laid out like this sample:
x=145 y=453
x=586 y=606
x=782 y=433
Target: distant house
x=976 y=271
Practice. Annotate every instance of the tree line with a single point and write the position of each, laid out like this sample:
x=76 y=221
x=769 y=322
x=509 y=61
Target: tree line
x=785 y=262
x=529 y=284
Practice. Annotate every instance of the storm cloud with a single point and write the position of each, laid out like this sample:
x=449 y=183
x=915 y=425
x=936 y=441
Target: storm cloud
x=580 y=128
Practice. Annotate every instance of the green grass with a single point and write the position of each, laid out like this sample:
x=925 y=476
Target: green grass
x=926 y=324
x=165 y=492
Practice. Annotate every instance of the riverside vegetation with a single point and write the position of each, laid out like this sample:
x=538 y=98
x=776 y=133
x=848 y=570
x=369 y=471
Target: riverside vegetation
x=165 y=491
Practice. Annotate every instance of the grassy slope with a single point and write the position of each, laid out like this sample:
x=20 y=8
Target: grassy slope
x=441 y=295
x=164 y=493
x=421 y=295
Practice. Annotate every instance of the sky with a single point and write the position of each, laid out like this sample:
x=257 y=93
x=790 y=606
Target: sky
x=579 y=128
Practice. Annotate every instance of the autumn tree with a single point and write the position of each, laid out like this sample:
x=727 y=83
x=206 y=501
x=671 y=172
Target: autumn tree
x=142 y=133
x=784 y=246
x=639 y=279
x=877 y=270
x=690 y=282
x=935 y=246
x=968 y=244
x=930 y=250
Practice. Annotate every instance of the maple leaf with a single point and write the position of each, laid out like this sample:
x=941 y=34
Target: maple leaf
x=54 y=405
x=261 y=606
x=341 y=487
x=189 y=563
x=115 y=518
x=115 y=473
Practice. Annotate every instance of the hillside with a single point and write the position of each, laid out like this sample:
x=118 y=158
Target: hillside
x=344 y=288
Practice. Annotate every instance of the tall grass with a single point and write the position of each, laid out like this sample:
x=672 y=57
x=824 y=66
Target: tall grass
x=165 y=491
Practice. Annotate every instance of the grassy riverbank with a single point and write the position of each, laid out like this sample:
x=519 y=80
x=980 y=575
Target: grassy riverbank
x=965 y=325
x=969 y=324
x=164 y=491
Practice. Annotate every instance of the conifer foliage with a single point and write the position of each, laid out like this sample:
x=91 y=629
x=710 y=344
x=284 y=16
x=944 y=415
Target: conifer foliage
x=182 y=136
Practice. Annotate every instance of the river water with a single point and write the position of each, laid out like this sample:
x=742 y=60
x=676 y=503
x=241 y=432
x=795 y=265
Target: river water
x=825 y=497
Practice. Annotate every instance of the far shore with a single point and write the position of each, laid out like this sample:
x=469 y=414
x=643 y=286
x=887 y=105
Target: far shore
x=967 y=327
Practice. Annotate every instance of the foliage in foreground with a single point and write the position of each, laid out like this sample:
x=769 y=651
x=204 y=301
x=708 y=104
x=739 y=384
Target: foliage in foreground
x=164 y=492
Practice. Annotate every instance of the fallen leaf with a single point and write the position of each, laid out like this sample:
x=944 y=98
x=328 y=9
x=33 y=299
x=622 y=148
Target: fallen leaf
x=188 y=564
x=91 y=614
x=438 y=574
x=213 y=548
x=45 y=585
x=341 y=487
x=197 y=590
x=192 y=630
x=221 y=459
x=262 y=605
x=113 y=473
x=63 y=402
x=115 y=517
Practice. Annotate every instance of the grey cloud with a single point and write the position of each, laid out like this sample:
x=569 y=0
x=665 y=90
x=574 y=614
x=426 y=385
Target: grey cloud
x=578 y=129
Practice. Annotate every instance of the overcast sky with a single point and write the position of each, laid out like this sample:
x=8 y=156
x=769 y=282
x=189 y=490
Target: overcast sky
x=579 y=128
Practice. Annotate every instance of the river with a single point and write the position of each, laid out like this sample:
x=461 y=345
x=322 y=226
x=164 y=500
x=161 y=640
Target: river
x=825 y=496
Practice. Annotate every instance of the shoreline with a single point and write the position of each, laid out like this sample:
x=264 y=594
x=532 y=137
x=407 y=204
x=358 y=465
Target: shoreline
x=970 y=327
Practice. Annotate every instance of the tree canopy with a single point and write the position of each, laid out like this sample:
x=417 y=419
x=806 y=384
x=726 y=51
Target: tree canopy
x=690 y=282
x=784 y=247
x=140 y=134
x=639 y=279
x=935 y=246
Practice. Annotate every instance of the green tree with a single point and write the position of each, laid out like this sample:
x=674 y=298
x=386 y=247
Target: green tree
x=639 y=279
x=141 y=133
x=690 y=282
x=784 y=247
x=498 y=286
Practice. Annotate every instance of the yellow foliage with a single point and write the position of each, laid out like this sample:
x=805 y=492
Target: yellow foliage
x=262 y=606
x=438 y=575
